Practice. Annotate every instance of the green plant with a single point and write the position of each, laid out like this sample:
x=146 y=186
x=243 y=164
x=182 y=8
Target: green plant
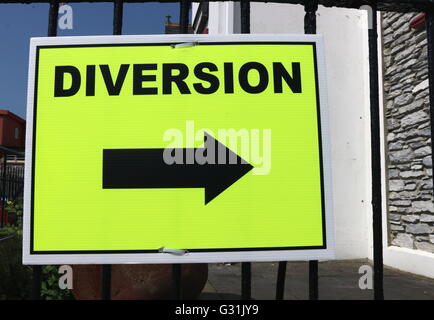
x=16 y=278
x=50 y=288
x=15 y=208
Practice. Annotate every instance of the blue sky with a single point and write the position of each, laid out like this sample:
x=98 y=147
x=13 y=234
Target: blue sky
x=20 y=22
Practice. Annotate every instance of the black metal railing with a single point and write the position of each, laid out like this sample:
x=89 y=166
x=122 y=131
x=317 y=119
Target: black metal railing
x=11 y=180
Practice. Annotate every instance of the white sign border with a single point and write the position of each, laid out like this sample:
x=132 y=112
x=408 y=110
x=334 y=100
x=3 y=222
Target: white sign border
x=191 y=257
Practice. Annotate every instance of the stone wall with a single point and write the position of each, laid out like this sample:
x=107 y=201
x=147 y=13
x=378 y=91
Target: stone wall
x=408 y=132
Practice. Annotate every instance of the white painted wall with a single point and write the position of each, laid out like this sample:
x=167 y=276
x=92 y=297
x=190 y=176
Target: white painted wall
x=223 y=18
x=276 y=18
x=346 y=46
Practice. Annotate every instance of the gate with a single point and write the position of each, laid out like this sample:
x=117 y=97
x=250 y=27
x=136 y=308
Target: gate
x=310 y=7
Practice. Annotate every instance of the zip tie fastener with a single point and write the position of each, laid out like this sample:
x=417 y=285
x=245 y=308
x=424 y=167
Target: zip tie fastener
x=177 y=252
x=184 y=45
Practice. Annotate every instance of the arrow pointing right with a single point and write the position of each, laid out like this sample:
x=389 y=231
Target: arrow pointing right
x=146 y=168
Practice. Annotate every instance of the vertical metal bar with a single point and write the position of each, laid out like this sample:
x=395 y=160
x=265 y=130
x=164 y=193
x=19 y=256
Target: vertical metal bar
x=106 y=279
x=107 y=268
x=184 y=7
x=117 y=16
x=377 y=224
x=53 y=14
x=429 y=17
x=177 y=280
x=313 y=280
x=246 y=267
x=280 y=285
x=245 y=16
x=9 y=183
x=14 y=181
x=3 y=199
x=36 y=282
x=246 y=281
x=310 y=8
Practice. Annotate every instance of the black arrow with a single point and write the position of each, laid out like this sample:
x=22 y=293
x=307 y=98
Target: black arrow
x=213 y=167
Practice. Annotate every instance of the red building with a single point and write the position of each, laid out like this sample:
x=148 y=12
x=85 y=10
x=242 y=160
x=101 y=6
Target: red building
x=12 y=130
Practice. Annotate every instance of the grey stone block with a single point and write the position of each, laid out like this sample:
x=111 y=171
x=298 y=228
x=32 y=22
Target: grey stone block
x=410 y=187
x=403 y=240
x=419 y=228
x=410 y=218
x=427 y=218
x=403 y=99
x=427 y=161
x=411 y=174
x=422 y=152
x=414 y=118
x=396 y=185
x=401 y=203
x=422 y=206
x=425 y=246
x=405 y=155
